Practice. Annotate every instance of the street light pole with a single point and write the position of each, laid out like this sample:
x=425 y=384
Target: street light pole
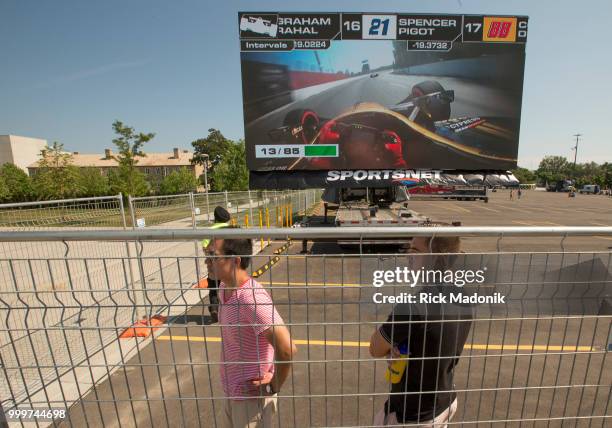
x=206 y=172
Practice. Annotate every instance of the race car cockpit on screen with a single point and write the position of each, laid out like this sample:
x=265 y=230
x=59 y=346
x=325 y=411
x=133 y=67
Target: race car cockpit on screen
x=369 y=128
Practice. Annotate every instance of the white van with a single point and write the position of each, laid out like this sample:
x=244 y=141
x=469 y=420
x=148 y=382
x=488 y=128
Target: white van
x=593 y=189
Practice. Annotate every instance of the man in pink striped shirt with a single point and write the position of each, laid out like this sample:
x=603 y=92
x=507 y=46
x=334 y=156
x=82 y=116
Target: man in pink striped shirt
x=256 y=349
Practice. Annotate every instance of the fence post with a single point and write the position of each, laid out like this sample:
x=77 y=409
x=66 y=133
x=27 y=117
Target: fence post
x=195 y=242
x=226 y=201
x=127 y=244
x=207 y=208
x=137 y=261
x=132 y=211
x=122 y=210
x=192 y=209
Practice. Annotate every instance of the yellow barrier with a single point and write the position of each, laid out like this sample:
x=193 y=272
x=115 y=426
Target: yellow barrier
x=268 y=222
x=261 y=226
x=246 y=221
x=286 y=215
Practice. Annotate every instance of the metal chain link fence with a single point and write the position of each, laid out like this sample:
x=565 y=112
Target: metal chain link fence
x=541 y=358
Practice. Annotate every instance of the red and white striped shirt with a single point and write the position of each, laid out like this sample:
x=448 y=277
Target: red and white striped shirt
x=244 y=314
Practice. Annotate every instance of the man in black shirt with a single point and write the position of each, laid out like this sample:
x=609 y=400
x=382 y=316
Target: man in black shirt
x=435 y=335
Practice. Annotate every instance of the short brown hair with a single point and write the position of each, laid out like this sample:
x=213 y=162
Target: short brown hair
x=242 y=248
x=444 y=244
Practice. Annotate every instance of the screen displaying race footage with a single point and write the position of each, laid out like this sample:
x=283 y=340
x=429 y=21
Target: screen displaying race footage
x=324 y=104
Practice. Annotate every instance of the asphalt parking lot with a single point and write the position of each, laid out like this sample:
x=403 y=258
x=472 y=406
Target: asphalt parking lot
x=509 y=366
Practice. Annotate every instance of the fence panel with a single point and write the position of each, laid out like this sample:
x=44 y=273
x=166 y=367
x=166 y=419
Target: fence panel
x=540 y=357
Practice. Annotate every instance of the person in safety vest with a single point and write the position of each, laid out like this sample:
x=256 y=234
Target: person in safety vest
x=222 y=220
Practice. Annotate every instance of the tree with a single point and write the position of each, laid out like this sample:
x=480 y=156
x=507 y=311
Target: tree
x=18 y=182
x=524 y=175
x=178 y=182
x=127 y=179
x=552 y=169
x=121 y=180
x=232 y=173
x=5 y=192
x=92 y=182
x=214 y=146
x=56 y=177
x=606 y=175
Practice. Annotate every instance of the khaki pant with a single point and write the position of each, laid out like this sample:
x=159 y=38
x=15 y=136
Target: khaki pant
x=252 y=413
x=440 y=421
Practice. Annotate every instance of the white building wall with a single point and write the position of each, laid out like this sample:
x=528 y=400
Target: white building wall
x=22 y=151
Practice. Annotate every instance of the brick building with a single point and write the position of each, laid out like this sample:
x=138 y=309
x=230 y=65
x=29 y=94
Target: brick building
x=155 y=165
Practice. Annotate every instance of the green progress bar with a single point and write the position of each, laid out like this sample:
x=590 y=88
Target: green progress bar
x=321 y=150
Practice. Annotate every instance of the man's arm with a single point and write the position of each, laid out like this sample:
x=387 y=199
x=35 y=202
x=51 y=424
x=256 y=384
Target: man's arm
x=387 y=337
x=379 y=346
x=284 y=350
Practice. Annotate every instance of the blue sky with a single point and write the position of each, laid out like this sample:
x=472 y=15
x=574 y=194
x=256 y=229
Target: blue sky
x=70 y=68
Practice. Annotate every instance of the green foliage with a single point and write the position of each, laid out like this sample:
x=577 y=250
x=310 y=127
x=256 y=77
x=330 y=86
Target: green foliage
x=127 y=179
x=18 y=182
x=5 y=193
x=555 y=168
x=524 y=175
x=178 y=182
x=210 y=151
x=231 y=173
x=92 y=182
x=128 y=182
x=56 y=177
x=552 y=169
x=592 y=173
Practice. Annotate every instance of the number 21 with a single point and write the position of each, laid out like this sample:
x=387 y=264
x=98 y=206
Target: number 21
x=375 y=25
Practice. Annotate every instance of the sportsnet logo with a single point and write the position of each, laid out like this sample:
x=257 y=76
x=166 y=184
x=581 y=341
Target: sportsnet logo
x=497 y=29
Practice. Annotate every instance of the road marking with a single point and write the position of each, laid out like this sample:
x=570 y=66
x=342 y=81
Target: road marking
x=490 y=209
x=462 y=209
x=456 y=208
x=336 y=284
x=317 y=284
x=355 y=344
x=536 y=224
x=523 y=223
x=511 y=208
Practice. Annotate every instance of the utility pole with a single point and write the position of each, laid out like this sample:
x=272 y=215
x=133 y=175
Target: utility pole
x=576 y=149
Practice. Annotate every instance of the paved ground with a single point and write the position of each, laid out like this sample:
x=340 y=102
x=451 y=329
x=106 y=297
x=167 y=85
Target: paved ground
x=510 y=363
x=535 y=208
